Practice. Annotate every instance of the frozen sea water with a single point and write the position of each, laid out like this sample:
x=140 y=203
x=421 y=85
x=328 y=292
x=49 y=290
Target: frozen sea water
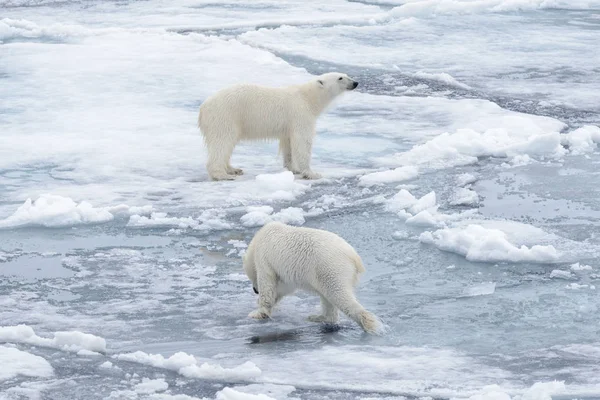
x=120 y=263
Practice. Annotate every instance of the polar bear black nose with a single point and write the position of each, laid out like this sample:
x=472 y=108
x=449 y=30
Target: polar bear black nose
x=354 y=85
x=255 y=291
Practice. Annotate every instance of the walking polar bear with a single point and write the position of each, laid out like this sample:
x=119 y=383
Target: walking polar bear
x=252 y=112
x=281 y=259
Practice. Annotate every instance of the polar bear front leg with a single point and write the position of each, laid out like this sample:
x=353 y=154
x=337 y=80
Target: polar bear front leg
x=267 y=295
x=329 y=313
x=301 y=144
x=286 y=150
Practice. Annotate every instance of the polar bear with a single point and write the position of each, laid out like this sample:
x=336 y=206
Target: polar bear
x=283 y=258
x=252 y=112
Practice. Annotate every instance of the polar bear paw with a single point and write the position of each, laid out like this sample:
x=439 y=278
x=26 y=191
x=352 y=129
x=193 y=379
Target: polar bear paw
x=317 y=318
x=235 y=171
x=258 y=314
x=223 y=177
x=311 y=175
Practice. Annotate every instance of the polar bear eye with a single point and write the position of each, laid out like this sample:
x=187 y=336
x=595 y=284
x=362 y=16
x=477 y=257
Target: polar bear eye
x=340 y=78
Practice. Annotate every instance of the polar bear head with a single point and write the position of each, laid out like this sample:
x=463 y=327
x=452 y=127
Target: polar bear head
x=336 y=83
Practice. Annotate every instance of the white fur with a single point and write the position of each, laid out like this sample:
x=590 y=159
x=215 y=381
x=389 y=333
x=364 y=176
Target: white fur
x=252 y=112
x=283 y=258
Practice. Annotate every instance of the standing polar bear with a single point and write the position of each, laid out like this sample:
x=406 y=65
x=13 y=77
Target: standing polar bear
x=283 y=258
x=252 y=112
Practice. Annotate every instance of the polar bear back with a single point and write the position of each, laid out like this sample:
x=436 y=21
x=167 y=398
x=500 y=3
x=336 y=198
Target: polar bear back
x=255 y=112
x=304 y=256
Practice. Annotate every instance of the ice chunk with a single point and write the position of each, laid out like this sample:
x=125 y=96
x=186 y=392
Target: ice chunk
x=538 y=391
x=209 y=220
x=576 y=286
x=187 y=365
x=17 y=362
x=231 y=394
x=392 y=175
x=465 y=179
x=543 y=390
x=477 y=243
x=290 y=215
x=160 y=219
x=281 y=186
x=148 y=386
x=55 y=211
x=441 y=7
x=106 y=365
x=480 y=290
x=72 y=341
x=583 y=140
x=464 y=146
x=424 y=203
x=269 y=389
x=560 y=274
x=464 y=197
x=256 y=218
x=400 y=235
x=491 y=392
x=580 y=267
x=400 y=201
x=124 y=209
x=425 y=218
x=443 y=78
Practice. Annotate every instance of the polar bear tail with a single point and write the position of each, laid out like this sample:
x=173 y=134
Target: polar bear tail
x=358 y=264
x=370 y=323
x=200 y=118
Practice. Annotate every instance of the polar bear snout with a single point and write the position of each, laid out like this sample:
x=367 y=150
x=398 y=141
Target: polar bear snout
x=352 y=85
x=255 y=290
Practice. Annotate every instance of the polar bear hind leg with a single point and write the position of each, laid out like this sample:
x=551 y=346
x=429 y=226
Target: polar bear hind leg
x=286 y=150
x=344 y=299
x=218 y=166
x=329 y=313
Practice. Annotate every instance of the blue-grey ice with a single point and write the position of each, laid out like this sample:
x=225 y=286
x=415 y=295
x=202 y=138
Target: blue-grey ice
x=463 y=170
